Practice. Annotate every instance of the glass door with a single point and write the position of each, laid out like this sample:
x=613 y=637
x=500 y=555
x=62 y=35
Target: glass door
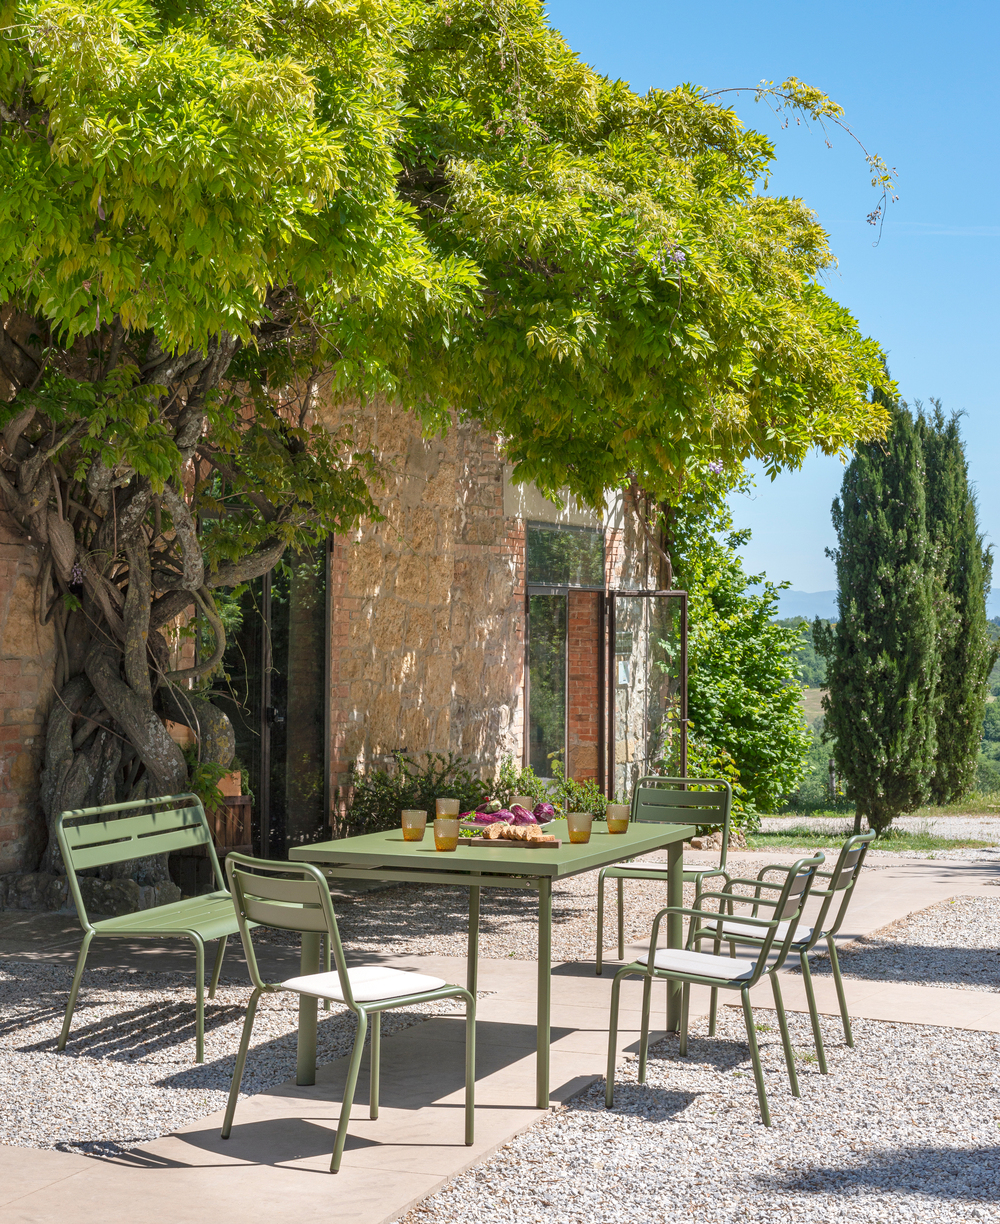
x=546 y=697
x=275 y=690
x=646 y=687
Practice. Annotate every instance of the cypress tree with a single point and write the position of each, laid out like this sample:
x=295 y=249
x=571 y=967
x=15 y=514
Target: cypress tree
x=964 y=570
x=883 y=661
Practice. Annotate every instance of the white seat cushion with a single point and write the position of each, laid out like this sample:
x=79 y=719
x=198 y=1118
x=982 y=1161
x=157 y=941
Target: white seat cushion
x=704 y=964
x=734 y=927
x=369 y=983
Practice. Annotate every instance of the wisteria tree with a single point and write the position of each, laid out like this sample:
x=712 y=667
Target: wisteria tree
x=212 y=211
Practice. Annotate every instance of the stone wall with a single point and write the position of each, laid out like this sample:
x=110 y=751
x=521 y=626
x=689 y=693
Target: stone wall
x=27 y=656
x=427 y=625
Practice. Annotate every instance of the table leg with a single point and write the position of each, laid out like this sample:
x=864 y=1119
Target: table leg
x=675 y=928
x=305 y=1069
x=544 y=992
x=472 y=955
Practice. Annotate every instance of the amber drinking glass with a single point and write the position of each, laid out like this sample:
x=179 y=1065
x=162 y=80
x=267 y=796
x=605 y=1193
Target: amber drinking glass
x=446 y=807
x=579 y=824
x=414 y=824
x=446 y=832
x=617 y=817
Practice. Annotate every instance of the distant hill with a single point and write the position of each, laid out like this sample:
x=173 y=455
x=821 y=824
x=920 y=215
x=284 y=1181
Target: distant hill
x=809 y=604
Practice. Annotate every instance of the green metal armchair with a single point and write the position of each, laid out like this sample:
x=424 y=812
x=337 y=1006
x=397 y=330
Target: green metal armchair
x=666 y=800
x=296 y=897
x=841 y=883
x=691 y=967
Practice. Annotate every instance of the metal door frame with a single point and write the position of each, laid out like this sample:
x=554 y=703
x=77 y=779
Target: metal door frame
x=608 y=714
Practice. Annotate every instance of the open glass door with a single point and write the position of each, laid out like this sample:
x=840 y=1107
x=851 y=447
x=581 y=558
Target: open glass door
x=646 y=687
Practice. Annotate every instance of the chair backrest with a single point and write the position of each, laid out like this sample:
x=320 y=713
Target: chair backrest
x=287 y=897
x=793 y=887
x=671 y=801
x=163 y=824
x=841 y=879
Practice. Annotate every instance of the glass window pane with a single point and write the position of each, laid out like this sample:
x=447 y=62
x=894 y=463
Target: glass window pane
x=547 y=681
x=565 y=556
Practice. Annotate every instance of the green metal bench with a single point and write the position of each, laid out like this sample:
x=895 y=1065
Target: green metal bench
x=165 y=824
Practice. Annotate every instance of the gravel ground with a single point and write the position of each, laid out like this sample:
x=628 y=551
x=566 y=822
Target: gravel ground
x=956 y=944
x=905 y=1128
x=128 y=1074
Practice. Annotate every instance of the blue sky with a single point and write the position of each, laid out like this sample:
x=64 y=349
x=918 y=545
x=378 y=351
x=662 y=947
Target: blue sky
x=918 y=83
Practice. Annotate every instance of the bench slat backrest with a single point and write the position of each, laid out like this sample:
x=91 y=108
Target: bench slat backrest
x=162 y=825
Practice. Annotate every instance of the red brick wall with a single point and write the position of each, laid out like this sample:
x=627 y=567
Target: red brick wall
x=26 y=661
x=584 y=655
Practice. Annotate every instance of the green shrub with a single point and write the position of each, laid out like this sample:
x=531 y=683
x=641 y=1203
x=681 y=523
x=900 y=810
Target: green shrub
x=381 y=794
x=987 y=776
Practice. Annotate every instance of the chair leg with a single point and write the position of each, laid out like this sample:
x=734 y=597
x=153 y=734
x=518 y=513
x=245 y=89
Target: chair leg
x=81 y=962
x=713 y=1009
x=786 y=1040
x=470 y=1071
x=813 y=1012
x=600 y=922
x=327 y=963
x=199 y=997
x=758 y=1070
x=352 y=1082
x=220 y=952
x=376 y=1065
x=647 y=993
x=685 y=1008
x=621 y=918
x=609 y=1086
x=241 y=1061
x=842 y=998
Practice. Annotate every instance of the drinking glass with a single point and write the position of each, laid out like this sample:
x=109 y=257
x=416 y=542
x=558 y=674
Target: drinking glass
x=414 y=824
x=617 y=817
x=446 y=832
x=579 y=824
x=524 y=801
x=446 y=807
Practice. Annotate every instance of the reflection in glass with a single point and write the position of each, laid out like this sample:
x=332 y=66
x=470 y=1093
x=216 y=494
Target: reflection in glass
x=298 y=620
x=547 y=681
x=648 y=697
x=565 y=556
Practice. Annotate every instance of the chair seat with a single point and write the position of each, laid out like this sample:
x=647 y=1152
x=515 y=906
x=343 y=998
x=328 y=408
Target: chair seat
x=640 y=869
x=369 y=984
x=703 y=964
x=210 y=915
x=802 y=934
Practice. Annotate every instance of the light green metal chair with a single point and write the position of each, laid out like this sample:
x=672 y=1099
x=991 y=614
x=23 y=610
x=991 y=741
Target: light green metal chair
x=296 y=897
x=666 y=800
x=841 y=881
x=161 y=825
x=691 y=967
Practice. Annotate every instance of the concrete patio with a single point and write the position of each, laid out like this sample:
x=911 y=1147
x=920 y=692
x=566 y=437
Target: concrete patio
x=277 y=1160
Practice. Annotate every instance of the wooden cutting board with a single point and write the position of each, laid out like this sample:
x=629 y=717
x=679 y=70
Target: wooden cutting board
x=554 y=844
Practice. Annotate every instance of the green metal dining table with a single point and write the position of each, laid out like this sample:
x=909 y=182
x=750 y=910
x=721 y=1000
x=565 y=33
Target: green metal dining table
x=386 y=857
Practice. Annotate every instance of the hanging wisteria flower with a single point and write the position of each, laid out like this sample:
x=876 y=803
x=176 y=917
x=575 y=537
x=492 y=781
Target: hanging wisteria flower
x=76 y=577
x=671 y=254
x=715 y=466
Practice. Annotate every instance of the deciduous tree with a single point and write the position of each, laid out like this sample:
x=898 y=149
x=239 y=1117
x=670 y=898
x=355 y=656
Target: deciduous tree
x=212 y=215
